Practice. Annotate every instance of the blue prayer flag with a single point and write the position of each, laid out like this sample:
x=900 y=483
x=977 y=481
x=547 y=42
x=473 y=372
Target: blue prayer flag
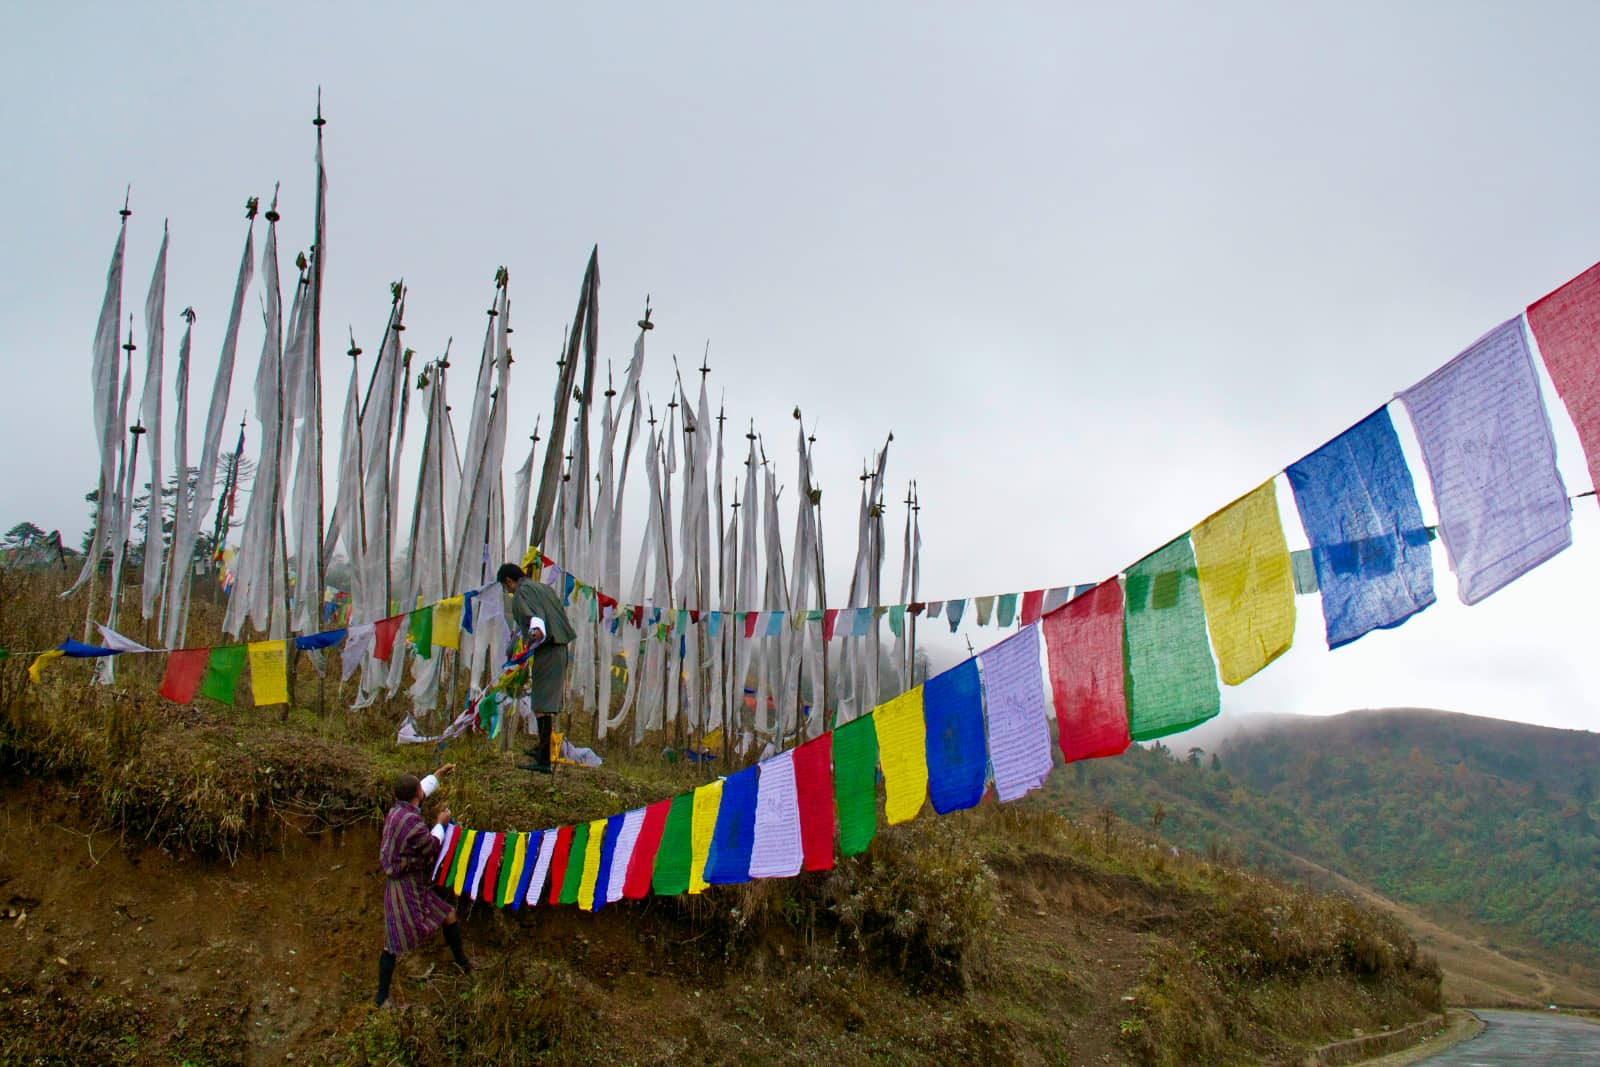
x=473 y=859
x=530 y=861
x=79 y=650
x=608 y=850
x=1369 y=546
x=735 y=832
x=325 y=639
x=952 y=706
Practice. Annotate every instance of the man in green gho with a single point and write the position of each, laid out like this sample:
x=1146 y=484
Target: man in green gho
x=537 y=617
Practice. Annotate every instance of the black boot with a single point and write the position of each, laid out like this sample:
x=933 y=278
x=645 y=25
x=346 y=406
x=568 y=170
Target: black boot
x=541 y=753
x=385 y=973
x=545 y=738
x=452 y=937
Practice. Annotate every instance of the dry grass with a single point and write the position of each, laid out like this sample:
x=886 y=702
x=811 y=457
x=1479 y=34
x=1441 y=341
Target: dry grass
x=984 y=934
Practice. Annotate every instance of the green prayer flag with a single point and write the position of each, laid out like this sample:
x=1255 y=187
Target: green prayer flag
x=508 y=856
x=574 y=876
x=223 y=668
x=457 y=860
x=855 y=783
x=671 y=875
x=1006 y=610
x=420 y=631
x=1172 y=679
x=897 y=620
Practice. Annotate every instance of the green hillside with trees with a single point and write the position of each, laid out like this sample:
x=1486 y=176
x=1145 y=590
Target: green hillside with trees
x=1472 y=818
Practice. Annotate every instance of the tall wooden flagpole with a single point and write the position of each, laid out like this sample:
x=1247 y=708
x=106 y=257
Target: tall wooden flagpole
x=318 y=244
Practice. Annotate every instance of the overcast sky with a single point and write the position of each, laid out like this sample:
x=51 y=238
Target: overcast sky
x=1100 y=270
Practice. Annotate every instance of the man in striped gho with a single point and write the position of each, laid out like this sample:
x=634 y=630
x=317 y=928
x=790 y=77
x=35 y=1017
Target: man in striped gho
x=412 y=911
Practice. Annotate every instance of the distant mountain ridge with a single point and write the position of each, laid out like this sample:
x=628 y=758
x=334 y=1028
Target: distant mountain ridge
x=1484 y=819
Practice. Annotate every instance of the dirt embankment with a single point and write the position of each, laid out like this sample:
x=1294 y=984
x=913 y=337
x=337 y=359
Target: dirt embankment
x=935 y=950
x=117 y=952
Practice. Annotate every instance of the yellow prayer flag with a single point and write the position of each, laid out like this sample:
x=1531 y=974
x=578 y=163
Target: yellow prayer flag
x=269 y=673
x=903 y=755
x=41 y=661
x=528 y=562
x=466 y=857
x=1246 y=583
x=591 y=865
x=519 y=859
x=447 y=622
x=707 y=799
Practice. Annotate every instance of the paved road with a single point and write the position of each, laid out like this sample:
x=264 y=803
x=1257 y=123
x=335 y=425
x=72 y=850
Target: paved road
x=1515 y=1037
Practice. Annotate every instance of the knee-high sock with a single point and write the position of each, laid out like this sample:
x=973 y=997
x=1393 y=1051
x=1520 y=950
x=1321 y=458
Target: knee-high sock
x=452 y=937
x=545 y=755
x=385 y=973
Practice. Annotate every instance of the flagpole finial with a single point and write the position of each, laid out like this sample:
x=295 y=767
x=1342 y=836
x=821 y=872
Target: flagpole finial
x=319 y=121
x=354 y=350
x=127 y=195
x=705 y=361
x=272 y=211
x=251 y=206
x=189 y=316
x=130 y=346
x=645 y=323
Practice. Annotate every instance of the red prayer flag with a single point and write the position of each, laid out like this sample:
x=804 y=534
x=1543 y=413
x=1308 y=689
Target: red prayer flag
x=1032 y=606
x=491 y=870
x=813 y=783
x=1567 y=326
x=750 y=623
x=452 y=842
x=642 y=864
x=383 y=634
x=185 y=668
x=1084 y=639
x=558 y=862
x=829 y=618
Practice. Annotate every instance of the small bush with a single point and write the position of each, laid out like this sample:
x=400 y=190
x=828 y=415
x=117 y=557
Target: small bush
x=921 y=901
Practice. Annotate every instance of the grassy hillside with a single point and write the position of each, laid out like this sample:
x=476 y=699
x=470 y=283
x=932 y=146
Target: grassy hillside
x=1467 y=818
x=200 y=885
